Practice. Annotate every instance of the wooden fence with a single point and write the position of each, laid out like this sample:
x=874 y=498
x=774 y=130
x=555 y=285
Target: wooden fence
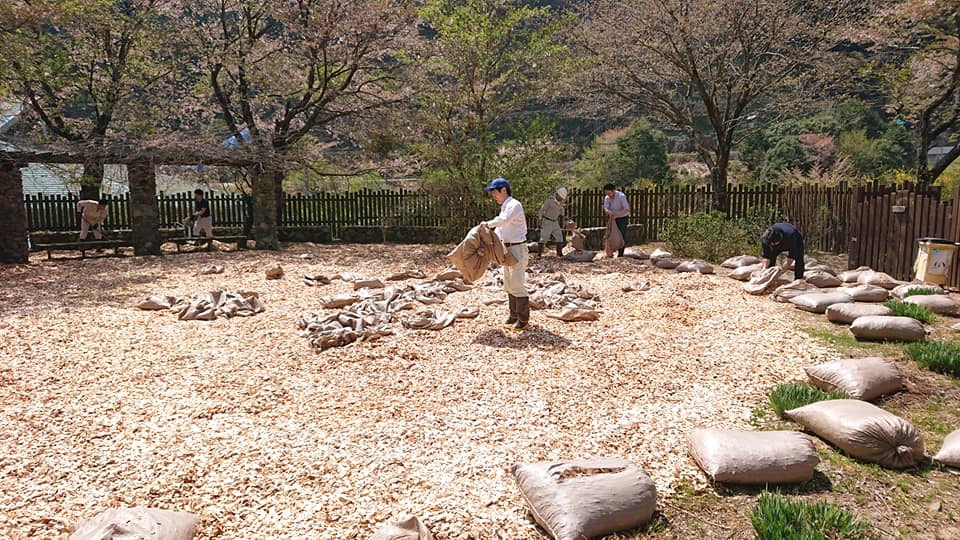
x=887 y=221
x=822 y=213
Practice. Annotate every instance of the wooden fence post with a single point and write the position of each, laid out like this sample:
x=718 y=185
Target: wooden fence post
x=13 y=215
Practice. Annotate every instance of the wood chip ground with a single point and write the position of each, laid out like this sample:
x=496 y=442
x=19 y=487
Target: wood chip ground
x=242 y=422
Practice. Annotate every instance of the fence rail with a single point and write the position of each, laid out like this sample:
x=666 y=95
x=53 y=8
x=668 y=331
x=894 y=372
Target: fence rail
x=821 y=212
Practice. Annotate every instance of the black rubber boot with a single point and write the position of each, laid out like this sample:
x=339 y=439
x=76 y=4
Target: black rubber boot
x=560 y=249
x=539 y=250
x=513 y=311
x=523 y=313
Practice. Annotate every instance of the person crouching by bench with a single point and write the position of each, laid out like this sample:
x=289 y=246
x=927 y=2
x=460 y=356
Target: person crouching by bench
x=202 y=220
x=92 y=215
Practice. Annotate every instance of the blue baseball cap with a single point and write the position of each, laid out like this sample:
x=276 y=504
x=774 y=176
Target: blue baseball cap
x=497 y=183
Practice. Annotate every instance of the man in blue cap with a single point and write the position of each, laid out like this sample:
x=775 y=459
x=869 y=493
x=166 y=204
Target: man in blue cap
x=511 y=227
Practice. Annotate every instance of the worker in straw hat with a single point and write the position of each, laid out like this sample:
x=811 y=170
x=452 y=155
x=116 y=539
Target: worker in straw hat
x=550 y=221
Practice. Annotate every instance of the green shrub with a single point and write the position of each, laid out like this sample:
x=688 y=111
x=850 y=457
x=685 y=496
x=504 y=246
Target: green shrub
x=708 y=236
x=777 y=518
x=939 y=356
x=905 y=309
x=920 y=292
x=792 y=395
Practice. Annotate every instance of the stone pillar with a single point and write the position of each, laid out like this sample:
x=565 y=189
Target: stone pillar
x=13 y=215
x=144 y=214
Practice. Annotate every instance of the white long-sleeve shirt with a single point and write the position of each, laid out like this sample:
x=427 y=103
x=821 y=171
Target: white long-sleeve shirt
x=618 y=205
x=511 y=224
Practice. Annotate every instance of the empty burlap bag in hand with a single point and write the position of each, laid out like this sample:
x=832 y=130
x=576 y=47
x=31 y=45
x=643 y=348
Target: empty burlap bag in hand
x=586 y=498
x=613 y=241
x=754 y=457
x=863 y=430
x=137 y=524
x=763 y=281
x=478 y=249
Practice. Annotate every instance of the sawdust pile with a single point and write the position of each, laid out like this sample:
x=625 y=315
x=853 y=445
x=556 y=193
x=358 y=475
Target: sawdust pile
x=242 y=422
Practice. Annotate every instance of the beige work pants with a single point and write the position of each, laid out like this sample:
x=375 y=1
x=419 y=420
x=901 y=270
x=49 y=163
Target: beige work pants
x=515 y=277
x=85 y=228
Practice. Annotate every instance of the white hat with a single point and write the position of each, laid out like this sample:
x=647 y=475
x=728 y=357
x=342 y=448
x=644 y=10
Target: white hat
x=562 y=192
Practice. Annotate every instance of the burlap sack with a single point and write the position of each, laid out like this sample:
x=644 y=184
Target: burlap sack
x=137 y=524
x=763 y=281
x=847 y=313
x=880 y=328
x=698 y=266
x=660 y=254
x=866 y=293
x=863 y=430
x=158 y=302
x=819 y=302
x=408 y=529
x=667 y=263
x=821 y=279
x=744 y=273
x=901 y=290
x=575 y=314
x=859 y=378
x=753 y=457
x=580 y=256
x=612 y=239
x=879 y=279
x=937 y=303
x=795 y=288
x=579 y=241
x=478 y=249
x=586 y=498
x=635 y=253
x=740 y=260
x=820 y=268
x=851 y=276
x=949 y=453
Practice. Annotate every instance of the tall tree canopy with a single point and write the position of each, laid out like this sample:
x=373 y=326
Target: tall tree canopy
x=83 y=67
x=701 y=66
x=284 y=74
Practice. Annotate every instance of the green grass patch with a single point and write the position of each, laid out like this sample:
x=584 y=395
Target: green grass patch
x=904 y=309
x=778 y=518
x=792 y=395
x=939 y=356
x=920 y=292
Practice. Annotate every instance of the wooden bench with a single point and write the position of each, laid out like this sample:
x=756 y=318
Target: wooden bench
x=241 y=241
x=83 y=246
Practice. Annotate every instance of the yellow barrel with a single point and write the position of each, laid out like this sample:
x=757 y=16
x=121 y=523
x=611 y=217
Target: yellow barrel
x=933 y=259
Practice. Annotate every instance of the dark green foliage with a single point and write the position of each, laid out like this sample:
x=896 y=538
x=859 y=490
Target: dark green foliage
x=776 y=517
x=939 y=356
x=792 y=395
x=708 y=236
x=904 y=309
x=639 y=156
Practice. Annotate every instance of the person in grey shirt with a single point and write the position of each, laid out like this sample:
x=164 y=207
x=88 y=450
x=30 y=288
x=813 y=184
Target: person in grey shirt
x=615 y=204
x=550 y=221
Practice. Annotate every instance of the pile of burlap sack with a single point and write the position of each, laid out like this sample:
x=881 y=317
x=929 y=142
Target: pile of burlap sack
x=565 y=300
x=369 y=313
x=207 y=306
x=852 y=297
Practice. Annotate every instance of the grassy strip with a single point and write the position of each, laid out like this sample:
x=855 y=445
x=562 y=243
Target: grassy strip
x=792 y=395
x=920 y=292
x=777 y=518
x=904 y=309
x=939 y=356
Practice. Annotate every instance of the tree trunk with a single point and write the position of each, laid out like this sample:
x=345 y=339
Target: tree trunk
x=278 y=193
x=144 y=214
x=265 y=208
x=92 y=180
x=923 y=145
x=718 y=180
x=13 y=215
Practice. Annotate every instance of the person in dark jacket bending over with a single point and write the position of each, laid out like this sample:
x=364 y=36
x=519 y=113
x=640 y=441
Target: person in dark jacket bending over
x=779 y=238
